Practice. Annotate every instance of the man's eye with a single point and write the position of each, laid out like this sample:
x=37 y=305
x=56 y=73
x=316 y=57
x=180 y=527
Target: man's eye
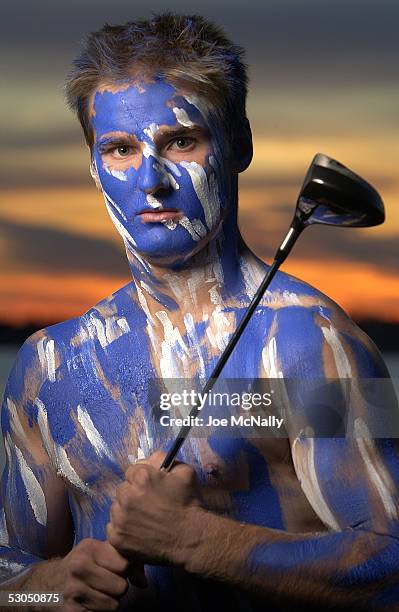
x=122 y=151
x=182 y=143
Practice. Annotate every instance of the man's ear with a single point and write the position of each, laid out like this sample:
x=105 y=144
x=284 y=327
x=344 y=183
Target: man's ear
x=242 y=149
x=94 y=174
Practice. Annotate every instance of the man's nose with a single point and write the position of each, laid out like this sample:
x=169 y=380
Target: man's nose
x=152 y=176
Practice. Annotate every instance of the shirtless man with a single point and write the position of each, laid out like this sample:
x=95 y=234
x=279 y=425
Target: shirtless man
x=289 y=521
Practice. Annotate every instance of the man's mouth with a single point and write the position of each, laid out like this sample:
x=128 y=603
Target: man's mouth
x=160 y=215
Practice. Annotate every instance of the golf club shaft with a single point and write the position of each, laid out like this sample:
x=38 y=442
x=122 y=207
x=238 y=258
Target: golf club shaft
x=281 y=254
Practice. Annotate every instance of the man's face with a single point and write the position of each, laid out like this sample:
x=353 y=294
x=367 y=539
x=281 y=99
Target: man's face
x=159 y=162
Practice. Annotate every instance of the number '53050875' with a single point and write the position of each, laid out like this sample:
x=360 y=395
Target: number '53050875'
x=10 y=598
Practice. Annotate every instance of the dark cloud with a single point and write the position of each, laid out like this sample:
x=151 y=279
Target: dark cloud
x=347 y=39
x=49 y=250
x=18 y=141
x=11 y=178
x=295 y=181
x=41 y=249
x=322 y=243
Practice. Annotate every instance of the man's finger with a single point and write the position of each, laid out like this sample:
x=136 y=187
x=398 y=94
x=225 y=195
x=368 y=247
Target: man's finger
x=110 y=559
x=140 y=471
x=155 y=459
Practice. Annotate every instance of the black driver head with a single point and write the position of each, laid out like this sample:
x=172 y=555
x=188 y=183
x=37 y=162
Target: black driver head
x=332 y=194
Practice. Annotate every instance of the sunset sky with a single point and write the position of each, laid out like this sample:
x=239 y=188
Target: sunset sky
x=324 y=78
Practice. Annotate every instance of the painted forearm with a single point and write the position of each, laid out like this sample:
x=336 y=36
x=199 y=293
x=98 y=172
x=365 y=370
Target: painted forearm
x=339 y=569
x=38 y=576
x=14 y=562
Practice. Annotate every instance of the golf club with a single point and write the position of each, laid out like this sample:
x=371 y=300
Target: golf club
x=331 y=194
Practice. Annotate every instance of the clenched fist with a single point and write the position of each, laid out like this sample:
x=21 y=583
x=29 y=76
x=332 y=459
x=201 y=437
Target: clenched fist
x=93 y=575
x=150 y=509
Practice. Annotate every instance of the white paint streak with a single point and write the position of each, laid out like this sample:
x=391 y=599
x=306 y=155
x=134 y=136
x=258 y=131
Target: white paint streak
x=44 y=427
x=206 y=191
x=109 y=200
x=33 y=489
x=171 y=165
x=182 y=117
x=221 y=322
x=341 y=360
x=252 y=277
x=200 y=104
x=192 y=335
x=50 y=358
x=172 y=181
x=151 y=130
x=149 y=289
x=123 y=232
x=173 y=349
x=8 y=449
x=118 y=174
x=195 y=281
x=193 y=229
x=123 y=324
x=270 y=360
x=306 y=472
x=140 y=455
x=15 y=423
x=170 y=224
x=171 y=334
x=41 y=352
x=168 y=178
x=143 y=304
x=175 y=285
x=100 y=330
x=66 y=470
x=146 y=442
x=12 y=567
x=106 y=332
x=378 y=473
x=135 y=254
x=211 y=337
x=45 y=350
x=291 y=298
x=3 y=529
x=153 y=202
x=92 y=433
x=149 y=151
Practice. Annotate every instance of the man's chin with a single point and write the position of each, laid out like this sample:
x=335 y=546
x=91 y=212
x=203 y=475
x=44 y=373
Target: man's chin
x=169 y=258
x=163 y=260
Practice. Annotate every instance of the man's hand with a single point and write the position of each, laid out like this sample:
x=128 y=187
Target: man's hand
x=93 y=575
x=147 y=516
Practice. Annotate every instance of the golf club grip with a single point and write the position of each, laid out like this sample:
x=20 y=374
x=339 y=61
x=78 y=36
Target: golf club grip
x=185 y=430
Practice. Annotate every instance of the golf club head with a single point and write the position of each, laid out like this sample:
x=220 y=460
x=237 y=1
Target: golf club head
x=332 y=194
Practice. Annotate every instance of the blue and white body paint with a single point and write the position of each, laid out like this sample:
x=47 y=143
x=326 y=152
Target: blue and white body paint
x=78 y=407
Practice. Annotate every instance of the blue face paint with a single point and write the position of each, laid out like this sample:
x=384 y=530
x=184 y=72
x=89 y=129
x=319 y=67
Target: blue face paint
x=141 y=114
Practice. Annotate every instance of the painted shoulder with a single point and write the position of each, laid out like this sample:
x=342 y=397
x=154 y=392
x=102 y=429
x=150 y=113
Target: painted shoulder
x=102 y=323
x=316 y=335
x=45 y=351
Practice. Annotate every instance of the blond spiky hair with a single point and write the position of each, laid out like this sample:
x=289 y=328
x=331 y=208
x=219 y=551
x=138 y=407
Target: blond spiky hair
x=189 y=51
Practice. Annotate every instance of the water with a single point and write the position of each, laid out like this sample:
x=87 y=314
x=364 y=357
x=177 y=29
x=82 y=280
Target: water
x=7 y=357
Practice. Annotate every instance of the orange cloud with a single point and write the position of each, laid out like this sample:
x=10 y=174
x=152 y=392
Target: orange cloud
x=362 y=290
x=27 y=298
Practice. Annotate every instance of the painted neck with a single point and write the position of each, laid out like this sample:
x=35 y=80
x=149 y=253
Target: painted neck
x=209 y=277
